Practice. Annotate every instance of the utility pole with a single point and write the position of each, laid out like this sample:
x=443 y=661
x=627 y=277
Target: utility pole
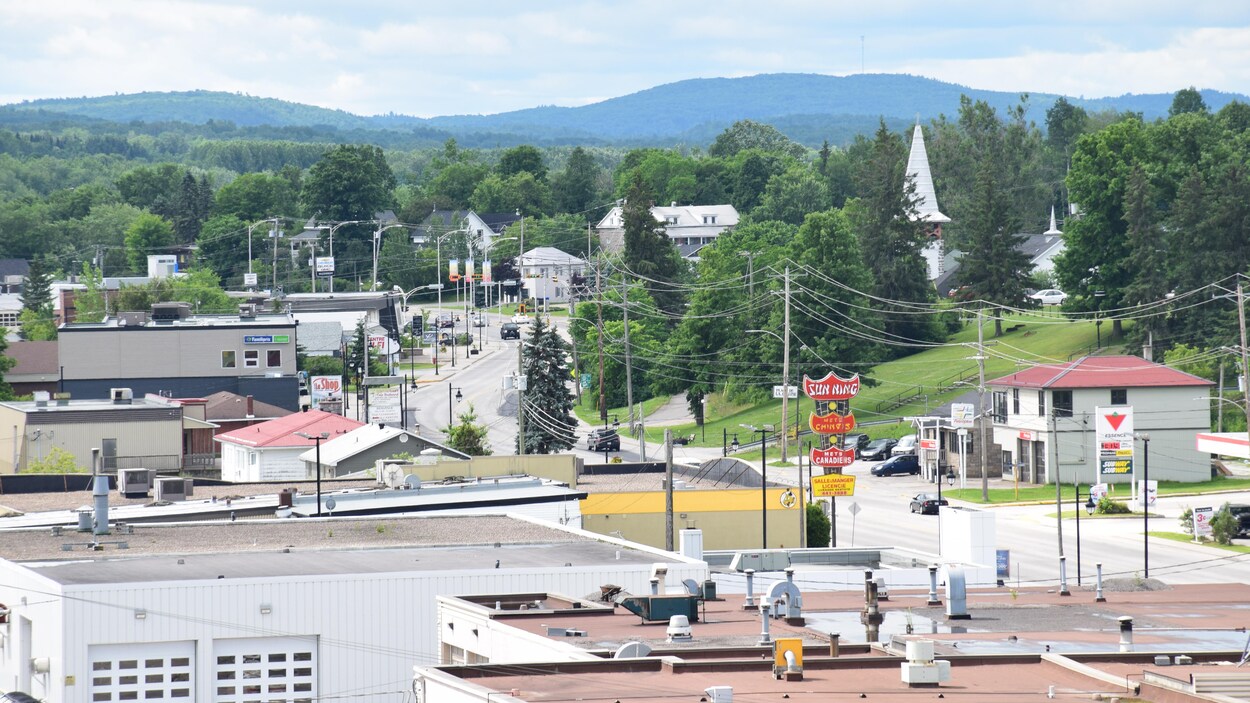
x=668 y=489
x=1245 y=359
x=985 y=449
x=603 y=407
x=520 y=397
x=785 y=378
x=1054 y=439
x=750 y=273
x=629 y=372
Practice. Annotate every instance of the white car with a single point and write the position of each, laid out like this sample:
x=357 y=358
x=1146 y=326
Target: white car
x=1050 y=296
x=522 y=319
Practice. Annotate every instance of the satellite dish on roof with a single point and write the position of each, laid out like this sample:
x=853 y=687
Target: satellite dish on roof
x=631 y=650
x=692 y=587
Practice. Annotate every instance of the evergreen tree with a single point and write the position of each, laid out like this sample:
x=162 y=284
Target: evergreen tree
x=357 y=350
x=37 y=290
x=576 y=187
x=649 y=255
x=1146 y=258
x=468 y=436
x=549 y=421
x=994 y=267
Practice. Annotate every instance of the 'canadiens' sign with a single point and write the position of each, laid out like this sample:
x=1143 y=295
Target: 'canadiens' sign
x=833 y=457
x=832 y=423
x=831 y=387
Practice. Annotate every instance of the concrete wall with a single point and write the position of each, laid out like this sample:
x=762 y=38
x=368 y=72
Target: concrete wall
x=282 y=392
x=157 y=352
x=557 y=467
x=152 y=442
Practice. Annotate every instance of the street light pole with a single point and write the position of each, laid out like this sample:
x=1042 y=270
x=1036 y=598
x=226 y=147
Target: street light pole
x=1145 y=503
x=450 y=404
x=1089 y=510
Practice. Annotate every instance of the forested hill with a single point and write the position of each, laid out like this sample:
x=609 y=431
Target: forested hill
x=807 y=107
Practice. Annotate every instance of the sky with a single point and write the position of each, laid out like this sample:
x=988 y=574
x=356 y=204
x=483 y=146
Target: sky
x=424 y=58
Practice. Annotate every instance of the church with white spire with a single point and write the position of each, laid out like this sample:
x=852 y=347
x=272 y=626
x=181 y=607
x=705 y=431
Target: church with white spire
x=926 y=203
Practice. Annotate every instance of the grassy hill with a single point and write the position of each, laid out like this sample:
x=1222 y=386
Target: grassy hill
x=929 y=378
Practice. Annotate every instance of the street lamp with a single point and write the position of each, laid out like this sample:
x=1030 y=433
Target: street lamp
x=764 y=432
x=377 y=242
x=1089 y=510
x=950 y=481
x=274 y=221
x=318 y=439
x=332 y=229
x=450 y=405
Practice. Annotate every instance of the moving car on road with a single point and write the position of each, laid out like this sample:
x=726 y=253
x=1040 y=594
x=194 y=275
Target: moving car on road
x=509 y=330
x=878 y=449
x=927 y=503
x=603 y=439
x=445 y=319
x=901 y=464
x=1050 y=296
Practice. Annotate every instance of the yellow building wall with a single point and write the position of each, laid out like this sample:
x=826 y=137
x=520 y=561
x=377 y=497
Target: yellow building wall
x=557 y=467
x=730 y=519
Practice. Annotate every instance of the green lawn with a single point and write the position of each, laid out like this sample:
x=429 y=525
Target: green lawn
x=1182 y=537
x=1046 y=494
x=1042 y=338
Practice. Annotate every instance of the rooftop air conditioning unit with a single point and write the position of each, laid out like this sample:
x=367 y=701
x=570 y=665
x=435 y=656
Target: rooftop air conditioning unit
x=134 y=483
x=121 y=396
x=171 y=311
x=247 y=310
x=171 y=489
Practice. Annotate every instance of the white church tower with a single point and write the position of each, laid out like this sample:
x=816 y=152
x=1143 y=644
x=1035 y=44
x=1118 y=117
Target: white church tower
x=927 y=205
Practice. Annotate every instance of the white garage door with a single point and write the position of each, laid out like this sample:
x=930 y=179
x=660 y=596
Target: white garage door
x=143 y=672
x=265 y=670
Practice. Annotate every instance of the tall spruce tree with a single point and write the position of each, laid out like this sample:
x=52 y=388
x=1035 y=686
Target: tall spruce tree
x=649 y=255
x=37 y=318
x=549 y=421
x=994 y=268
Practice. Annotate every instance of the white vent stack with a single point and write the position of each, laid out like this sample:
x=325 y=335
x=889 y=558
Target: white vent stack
x=679 y=629
x=920 y=669
x=692 y=544
x=765 y=636
x=719 y=694
x=786 y=597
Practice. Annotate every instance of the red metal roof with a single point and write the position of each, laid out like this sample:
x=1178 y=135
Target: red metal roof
x=282 y=431
x=1100 y=372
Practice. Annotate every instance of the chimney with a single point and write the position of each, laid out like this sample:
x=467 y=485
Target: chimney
x=250 y=409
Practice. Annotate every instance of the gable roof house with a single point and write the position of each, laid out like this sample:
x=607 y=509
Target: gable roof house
x=270 y=451
x=689 y=227
x=1045 y=417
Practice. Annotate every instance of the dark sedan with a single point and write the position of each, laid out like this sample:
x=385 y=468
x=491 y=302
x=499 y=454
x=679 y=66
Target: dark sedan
x=927 y=504
x=857 y=441
x=878 y=449
x=901 y=464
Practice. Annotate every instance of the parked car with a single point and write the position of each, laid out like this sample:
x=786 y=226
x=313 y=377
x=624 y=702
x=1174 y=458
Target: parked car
x=478 y=319
x=878 y=449
x=1050 y=296
x=445 y=319
x=901 y=464
x=855 y=441
x=1242 y=513
x=603 y=439
x=522 y=319
x=906 y=445
x=927 y=503
x=509 y=330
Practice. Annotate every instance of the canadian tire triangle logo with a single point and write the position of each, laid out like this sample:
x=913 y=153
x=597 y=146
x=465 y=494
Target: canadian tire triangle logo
x=1115 y=420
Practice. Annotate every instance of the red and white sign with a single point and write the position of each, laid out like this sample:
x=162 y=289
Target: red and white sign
x=831 y=387
x=833 y=457
x=1202 y=521
x=325 y=388
x=1113 y=427
x=928 y=444
x=1026 y=435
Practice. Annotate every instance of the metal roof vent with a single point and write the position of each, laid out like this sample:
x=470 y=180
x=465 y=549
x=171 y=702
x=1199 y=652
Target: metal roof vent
x=679 y=629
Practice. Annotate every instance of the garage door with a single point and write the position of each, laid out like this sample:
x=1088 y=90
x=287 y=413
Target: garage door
x=143 y=672
x=265 y=670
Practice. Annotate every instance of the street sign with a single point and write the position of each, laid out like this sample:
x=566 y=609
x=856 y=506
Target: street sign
x=1147 y=493
x=326 y=388
x=585 y=381
x=1202 y=521
x=833 y=486
x=788 y=499
x=789 y=391
x=962 y=415
x=831 y=387
x=928 y=444
x=1002 y=563
x=1115 y=465
x=249 y=279
x=832 y=423
x=384 y=405
x=854 y=509
x=324 y=265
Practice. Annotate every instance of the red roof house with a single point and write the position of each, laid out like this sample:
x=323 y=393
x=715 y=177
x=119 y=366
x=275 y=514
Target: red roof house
x=270 y=451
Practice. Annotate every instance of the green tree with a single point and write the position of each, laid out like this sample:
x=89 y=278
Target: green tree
x=357 y=349
x=149 y=234
x=1146 y=258
x=1187 y=100
x=454 y=185
x=58 y=461
x=549 y=421
x=818 y=526
x=649 y=255
x=351 y=182
x=37 y=290
x=153 y=188
x=522 y=159
x=1065 y=122
x=519 y=191
x=748 y=134
x=791 y=195
x=37 y=326
x=90 y=304
x=995 y=268
x=468 y=436
x=255 y=196
x=576 y=187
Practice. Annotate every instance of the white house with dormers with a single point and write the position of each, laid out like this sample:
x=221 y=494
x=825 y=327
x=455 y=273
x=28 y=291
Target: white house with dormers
x=548 y=273
x=1044 y=419
x=689 y=227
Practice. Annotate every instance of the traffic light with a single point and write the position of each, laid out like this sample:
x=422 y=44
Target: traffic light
x=521 y=307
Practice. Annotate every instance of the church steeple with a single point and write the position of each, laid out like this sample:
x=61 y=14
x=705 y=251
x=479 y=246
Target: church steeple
x=918 y=171
x=1053 y=229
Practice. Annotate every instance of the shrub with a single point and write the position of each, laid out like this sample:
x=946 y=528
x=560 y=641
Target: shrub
x=1108 y=506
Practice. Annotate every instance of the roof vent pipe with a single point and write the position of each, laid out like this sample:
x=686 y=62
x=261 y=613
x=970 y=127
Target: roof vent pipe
x=765 y=637
x=749 y=603
x=100 y=491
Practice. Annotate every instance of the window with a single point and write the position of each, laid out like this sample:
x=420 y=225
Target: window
x=670 y=220
x=251 y=358
x=273 y=358
x=227 y=359
x=1015 y=401
x=1041 y=403
x=1119 y=396
x=1062 y=401
x=709 y=219
x=1000 y=407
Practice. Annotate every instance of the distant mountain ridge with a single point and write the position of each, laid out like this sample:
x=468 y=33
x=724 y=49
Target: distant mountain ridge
x=802 y=105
